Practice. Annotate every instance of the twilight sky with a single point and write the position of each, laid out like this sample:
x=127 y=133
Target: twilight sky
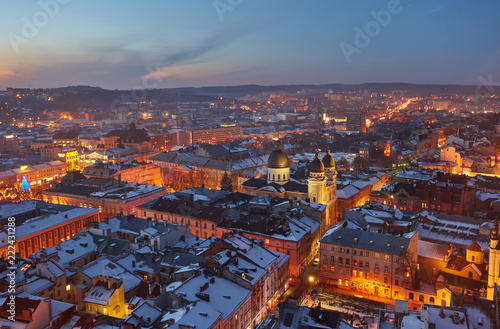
x=118 y=44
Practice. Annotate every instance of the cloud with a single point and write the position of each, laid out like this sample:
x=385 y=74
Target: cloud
x=435 y=10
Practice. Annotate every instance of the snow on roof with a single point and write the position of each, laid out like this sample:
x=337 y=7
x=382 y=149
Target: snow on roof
x=106 y=267
x=99 y=294
x=225 y=296
x=75 y=248
x=56 y=307
x=146 y=312
x=38 y=285
x=347 y=192
x=40 y=223
x=432 y=250
x=201 y=316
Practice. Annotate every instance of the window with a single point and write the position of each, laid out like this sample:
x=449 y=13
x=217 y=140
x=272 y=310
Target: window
x=470 y=275
x=68 y=287
x=332 y=259
x=347 y=271
x=396 y=271
x=386 y=280
x=367 y=265
x=386 y=269
x=340 y=282
x=360 y=264
x=361 y=253
x=354 y=273
x=347 y=261
x=377 y=255
x=333 y=248
x=376 y=267
x=443 y=294
x=421 y=298
x=367 y=254
x=397 y=260
x=332 y=268
x=354 y=252
x=347 y=251
x=431 y=300
x=387 y=257
x=340 y=260
x=341 y=249
x=340 y=270
x=396 y=282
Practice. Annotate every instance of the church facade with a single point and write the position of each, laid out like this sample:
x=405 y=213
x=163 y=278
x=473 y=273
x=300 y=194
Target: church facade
x=321 y=186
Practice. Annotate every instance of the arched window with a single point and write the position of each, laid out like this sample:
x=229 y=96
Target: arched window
x=421 y=298
x=410 y=296
x=431 y=300
x=279 y=176
x=473 y=259
x=470 y=274
x=273 y=177
x=443 y=294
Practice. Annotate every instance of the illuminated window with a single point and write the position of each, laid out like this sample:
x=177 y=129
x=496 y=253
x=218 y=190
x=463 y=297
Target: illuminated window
x=354 y=273
x=340 y=282
x=332 y=268
x=68 y=287
x=377 y=255
x=387 y=257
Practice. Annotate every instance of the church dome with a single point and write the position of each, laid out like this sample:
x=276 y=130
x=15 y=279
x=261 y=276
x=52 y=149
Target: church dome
x=328 y=161
x=316 y=165
x=278 y=158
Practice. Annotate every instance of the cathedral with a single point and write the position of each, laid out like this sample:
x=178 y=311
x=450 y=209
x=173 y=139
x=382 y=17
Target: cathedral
x=321 y=186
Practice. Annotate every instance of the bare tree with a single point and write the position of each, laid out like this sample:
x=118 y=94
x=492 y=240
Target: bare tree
x=409 y=268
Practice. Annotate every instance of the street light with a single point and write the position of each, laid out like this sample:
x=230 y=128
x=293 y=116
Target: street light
x=311 y=279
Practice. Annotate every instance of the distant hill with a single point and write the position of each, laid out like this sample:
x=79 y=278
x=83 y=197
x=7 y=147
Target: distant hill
x=96 y=97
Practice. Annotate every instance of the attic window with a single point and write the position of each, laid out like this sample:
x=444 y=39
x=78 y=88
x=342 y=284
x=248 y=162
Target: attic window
x=388 y=245
x=355 y=239
x=371 y=242
x=339 y=237
x=227 y=297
